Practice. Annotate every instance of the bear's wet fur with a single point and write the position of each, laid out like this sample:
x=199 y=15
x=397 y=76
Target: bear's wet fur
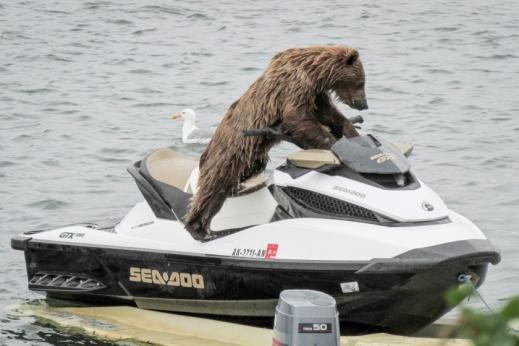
x=293 y=92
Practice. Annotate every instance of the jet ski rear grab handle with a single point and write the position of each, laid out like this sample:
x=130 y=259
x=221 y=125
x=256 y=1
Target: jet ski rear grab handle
x=275 y=132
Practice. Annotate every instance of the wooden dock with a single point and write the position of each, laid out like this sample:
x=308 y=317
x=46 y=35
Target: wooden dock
x=118 y=323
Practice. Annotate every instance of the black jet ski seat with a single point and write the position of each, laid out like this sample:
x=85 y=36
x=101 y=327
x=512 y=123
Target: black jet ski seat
x=168 y=180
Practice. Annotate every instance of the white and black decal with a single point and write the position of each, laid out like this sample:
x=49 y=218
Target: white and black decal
x=349 y=287
x=315 y=328
x=70 y=235
x=241 y=252
x=269 y=252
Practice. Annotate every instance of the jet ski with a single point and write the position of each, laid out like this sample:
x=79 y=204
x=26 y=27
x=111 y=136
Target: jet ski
x=354 y=222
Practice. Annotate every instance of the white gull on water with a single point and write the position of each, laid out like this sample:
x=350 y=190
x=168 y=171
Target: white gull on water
x=191 y=134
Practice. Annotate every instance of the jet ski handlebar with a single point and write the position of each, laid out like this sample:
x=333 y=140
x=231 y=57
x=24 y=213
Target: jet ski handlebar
x=275 y=132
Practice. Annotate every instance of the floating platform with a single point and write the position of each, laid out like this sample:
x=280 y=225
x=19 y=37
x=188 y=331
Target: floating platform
x=138 y=326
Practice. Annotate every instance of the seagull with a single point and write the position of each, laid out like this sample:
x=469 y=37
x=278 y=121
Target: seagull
x=191 y=134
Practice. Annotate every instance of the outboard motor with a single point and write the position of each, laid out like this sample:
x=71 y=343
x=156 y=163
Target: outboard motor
x=306 y=318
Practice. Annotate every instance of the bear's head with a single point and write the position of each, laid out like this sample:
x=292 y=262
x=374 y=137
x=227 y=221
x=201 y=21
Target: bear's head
x=348 y=82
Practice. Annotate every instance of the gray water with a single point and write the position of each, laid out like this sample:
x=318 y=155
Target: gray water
x=86 y=89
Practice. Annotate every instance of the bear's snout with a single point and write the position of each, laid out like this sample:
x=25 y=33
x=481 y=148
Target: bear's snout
x=361 y=104
x=355 y=99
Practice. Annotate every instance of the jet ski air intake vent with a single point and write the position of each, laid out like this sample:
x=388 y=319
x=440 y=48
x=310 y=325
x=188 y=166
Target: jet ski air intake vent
x=323 y=204
x=64 y=282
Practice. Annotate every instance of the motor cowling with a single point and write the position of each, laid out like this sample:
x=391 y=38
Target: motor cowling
x=306 y=317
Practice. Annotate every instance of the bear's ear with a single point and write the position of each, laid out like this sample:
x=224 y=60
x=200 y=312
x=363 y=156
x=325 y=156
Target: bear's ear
x=352 y=56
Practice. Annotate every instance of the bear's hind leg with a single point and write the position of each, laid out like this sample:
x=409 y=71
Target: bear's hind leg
x=198 y=220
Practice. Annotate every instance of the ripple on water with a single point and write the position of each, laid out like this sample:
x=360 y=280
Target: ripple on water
x=148 y=91
x=83 y=118
x=93 y=5
x=418 y=81
x=169 y=65
x=500 y=119
x=437 y=100
x=159 y=9
x=199 y=16
x=438 y=71
x=116 y=151
x=512 y=202
x=119 y=61
x=110 y=159
x=66 y=136
x=22 y=138
x=294 y=29
x=152 y=104
x=125 y=98
x=120 y=21
x=140 y=71
x=499 y=161
x=212 y=84
x=250 y=69
x=68 y=111
x=200 y=53
x=51 y=162
x=36 y=91
x=63 y=103
x=472 y=107
x=13 y=35
x=446 y=28
x=143 y=31
x=55 y=57
x=50 y=110
x=496 y=57
x=47 y=204
x=7 y=164
x=57 y=12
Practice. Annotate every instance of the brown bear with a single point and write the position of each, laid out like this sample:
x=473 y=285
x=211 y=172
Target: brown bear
x=293 y=92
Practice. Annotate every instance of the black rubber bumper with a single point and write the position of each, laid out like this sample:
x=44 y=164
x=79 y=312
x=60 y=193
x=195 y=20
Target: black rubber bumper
x=19 y=242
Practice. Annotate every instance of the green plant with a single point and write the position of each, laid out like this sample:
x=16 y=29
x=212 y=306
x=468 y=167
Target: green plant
x=486 y=329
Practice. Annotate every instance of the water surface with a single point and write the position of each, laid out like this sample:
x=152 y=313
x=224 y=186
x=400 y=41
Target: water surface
x=86 y=88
